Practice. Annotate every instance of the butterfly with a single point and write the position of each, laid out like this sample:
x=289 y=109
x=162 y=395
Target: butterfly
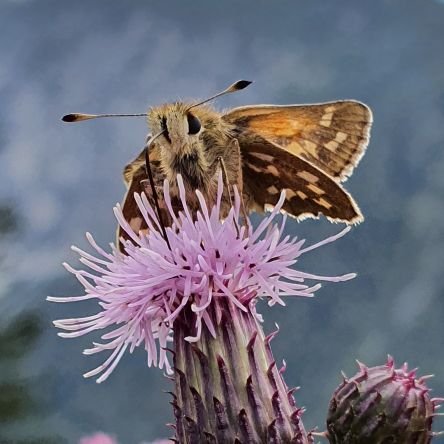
x=306 y=150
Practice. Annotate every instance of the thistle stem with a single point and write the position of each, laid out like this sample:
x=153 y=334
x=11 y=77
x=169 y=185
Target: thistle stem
x=228 y=387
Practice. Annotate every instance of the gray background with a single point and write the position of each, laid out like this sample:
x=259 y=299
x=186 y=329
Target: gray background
x=58 y=181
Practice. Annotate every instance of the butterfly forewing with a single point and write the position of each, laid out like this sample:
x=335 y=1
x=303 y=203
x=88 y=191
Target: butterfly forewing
x=309 y=192
x=332 y=136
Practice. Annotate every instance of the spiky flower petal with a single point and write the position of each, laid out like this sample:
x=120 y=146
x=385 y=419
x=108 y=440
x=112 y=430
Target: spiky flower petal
x=382 y=405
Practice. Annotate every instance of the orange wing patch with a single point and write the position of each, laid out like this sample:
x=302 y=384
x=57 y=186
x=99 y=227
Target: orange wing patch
x=333 y=136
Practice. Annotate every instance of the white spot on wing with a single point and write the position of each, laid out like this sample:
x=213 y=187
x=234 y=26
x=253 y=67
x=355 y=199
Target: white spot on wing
x=327 y=117
x=272 y=170
x=254 y=167
x=332 y=145
x=341 y=137
x=310 y=147
x=262 y=156
x=315 y=189
x=321 y=201
x=307 y=176
x=289 y=193
x=301 y=194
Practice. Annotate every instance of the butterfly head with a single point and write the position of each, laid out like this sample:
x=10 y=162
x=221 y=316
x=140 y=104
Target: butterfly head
x=181 y=127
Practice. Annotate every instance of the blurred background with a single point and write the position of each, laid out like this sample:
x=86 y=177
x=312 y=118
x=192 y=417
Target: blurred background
x=58 y=181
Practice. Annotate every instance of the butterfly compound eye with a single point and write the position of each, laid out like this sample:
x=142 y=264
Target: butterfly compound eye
x=194 y=125
x=163 y=125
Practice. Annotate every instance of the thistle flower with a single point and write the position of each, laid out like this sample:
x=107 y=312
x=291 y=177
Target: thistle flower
x=380 y=405
x=202 y=292
x=98 y=438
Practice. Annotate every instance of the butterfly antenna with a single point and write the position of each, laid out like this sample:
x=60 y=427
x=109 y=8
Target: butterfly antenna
x=79 y=117
x=153 y=188
x=236 y=86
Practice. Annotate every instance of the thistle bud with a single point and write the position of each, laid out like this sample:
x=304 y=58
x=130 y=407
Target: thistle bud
x=382 y=405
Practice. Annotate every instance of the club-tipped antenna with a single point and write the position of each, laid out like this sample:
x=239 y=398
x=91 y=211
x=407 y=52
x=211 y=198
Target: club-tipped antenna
x=236 y=86
x=79 y=117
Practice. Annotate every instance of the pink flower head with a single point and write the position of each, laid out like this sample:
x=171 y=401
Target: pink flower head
x=142 y=292
x=98 y=438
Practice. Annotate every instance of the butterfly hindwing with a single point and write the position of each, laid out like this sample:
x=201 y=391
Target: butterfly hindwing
x=130 y=210
x=332 y=136
x=267 y=169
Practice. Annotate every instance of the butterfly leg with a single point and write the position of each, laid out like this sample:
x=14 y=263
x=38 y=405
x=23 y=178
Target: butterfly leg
x=228 y=185
x=233 y=157
x=237 y=157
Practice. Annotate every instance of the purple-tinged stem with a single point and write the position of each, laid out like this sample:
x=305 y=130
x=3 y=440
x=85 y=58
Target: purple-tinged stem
x=228 y=387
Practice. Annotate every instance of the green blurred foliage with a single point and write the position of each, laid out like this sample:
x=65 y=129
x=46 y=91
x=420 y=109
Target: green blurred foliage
x=18 y=401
